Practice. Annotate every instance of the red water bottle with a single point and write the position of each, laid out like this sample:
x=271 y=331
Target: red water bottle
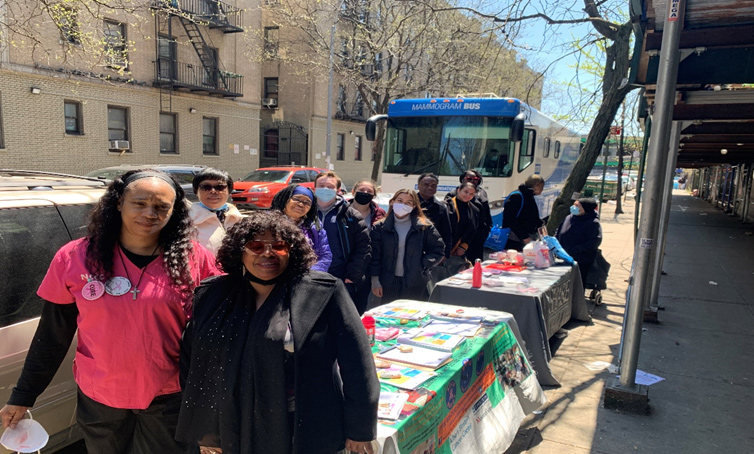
x=369 y=325
x=476 y=277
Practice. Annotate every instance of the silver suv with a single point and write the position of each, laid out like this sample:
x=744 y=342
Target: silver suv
x=39 y=213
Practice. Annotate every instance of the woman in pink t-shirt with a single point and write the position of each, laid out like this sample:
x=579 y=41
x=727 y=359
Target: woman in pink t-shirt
x=127 y=287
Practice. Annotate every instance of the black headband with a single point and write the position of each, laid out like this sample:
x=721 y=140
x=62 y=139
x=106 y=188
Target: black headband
x=147 y=174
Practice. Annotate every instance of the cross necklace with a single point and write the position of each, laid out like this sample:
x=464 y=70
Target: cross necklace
x=135 y=291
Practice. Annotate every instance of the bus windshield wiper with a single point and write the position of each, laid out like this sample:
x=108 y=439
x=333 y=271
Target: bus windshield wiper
x=421 y=168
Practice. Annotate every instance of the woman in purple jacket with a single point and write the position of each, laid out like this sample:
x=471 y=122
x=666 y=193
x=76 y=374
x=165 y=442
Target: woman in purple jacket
x=300 y=205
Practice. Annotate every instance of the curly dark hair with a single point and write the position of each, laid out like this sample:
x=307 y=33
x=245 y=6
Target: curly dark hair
x=301 y=255
x=175 y=238
x=284 y=195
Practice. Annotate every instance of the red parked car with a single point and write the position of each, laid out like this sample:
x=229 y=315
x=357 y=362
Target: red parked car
x=257 y=189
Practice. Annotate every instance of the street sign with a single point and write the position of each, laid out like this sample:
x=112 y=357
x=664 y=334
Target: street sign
x=615 y=130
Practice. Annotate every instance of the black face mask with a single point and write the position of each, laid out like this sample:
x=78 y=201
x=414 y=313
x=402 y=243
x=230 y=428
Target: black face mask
x=363 y=198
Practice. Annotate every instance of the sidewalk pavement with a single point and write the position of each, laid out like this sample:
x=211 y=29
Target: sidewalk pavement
x=706 y=402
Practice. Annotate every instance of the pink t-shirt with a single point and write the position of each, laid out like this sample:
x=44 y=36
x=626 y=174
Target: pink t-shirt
x=128 y=349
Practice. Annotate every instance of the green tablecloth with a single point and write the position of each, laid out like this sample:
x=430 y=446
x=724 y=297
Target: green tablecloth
x=477 y=401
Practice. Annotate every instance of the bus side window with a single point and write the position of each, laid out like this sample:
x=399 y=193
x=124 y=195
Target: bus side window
x=526 y=152
x=556 y=155
x=546 y=148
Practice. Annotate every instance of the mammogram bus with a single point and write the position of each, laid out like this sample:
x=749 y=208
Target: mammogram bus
x=503 y=138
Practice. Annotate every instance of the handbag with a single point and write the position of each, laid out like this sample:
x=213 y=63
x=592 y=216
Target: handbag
x=451 y=266
x=498 y=236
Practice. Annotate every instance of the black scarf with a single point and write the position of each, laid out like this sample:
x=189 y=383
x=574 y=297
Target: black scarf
x=235 y=391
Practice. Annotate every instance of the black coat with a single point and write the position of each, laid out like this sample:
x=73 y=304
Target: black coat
x=355 y=241
x=331 y=404
x=437 y=212
x=424 y=249
x=580 y=236
x=484 y=225
x=522 y=220
x=465 y=223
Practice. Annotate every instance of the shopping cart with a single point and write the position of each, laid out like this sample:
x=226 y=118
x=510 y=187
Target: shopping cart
x=596 y=280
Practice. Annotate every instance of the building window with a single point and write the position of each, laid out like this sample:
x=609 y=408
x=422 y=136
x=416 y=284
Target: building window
x=374 y=154
x=115 y=45
x=341 y=107
x=67 y=20
x=357 y=148
x=168 y=133
x=117 y=123
x=358 y=107
x=341 y=148
x=167 y=67
x=73 y=117
x=271 y=42
x=271 y=87
x=209 y=136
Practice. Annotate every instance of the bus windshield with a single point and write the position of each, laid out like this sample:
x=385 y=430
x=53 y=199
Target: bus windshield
x=448 y=146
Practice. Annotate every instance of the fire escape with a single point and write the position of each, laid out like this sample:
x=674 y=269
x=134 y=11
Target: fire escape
x=204 y=73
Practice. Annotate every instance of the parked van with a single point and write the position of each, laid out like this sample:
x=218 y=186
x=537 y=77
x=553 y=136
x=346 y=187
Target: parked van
x=39 y=213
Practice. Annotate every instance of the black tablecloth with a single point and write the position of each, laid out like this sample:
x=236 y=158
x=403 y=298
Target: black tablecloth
x=541 y=307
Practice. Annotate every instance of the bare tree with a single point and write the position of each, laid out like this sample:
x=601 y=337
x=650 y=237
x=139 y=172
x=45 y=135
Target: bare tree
x=388 y=49
x=615 y=33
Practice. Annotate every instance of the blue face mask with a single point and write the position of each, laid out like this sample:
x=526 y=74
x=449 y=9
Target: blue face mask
x=325 y=194
x=575 y=210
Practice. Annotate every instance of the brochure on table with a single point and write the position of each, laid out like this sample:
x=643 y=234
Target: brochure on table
x=459 y=406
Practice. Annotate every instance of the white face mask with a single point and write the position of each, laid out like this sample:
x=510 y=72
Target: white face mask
x=401 y=210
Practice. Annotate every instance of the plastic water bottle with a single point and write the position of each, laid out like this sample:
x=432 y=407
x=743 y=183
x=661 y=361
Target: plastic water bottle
x=369 y=326
x=476 y=277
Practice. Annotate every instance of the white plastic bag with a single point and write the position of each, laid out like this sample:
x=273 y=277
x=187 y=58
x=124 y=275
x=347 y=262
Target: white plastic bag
x=28 y=436
x=542 y=255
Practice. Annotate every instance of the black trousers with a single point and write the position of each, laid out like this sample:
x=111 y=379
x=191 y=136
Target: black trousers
x=109 y=430
x=395 y=287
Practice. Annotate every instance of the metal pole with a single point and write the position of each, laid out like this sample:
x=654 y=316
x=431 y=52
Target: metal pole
x=649 y=224
x=667 y=196
x=640 y=176
x=329 y=99
x=604 y=170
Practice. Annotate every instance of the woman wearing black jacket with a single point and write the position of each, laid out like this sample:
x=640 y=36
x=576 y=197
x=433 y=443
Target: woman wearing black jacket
x=404 y=245
x=580 y=234
x=482 y=204
x=521 y=213
x=464 y=220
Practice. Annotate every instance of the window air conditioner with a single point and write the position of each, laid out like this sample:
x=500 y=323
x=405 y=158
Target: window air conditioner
x=269 y=102
x=119 y=145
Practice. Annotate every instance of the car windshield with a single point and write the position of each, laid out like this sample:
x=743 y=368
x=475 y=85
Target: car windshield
x=267 y=176
x=106 y=174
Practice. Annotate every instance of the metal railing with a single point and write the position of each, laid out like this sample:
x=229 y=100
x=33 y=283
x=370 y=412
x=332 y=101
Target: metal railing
x=195 y=77
x=212 y=11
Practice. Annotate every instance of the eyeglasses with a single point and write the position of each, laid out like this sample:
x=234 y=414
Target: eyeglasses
x=217 y=187
x=472 y=178
x=259 y=247
x=305 y=201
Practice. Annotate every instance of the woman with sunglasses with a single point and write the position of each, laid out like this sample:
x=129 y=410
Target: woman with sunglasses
x=482 y=204
x=127 y=288
x=404 y=246
x=300 y=205
x=213 y=215
x=258 y=360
